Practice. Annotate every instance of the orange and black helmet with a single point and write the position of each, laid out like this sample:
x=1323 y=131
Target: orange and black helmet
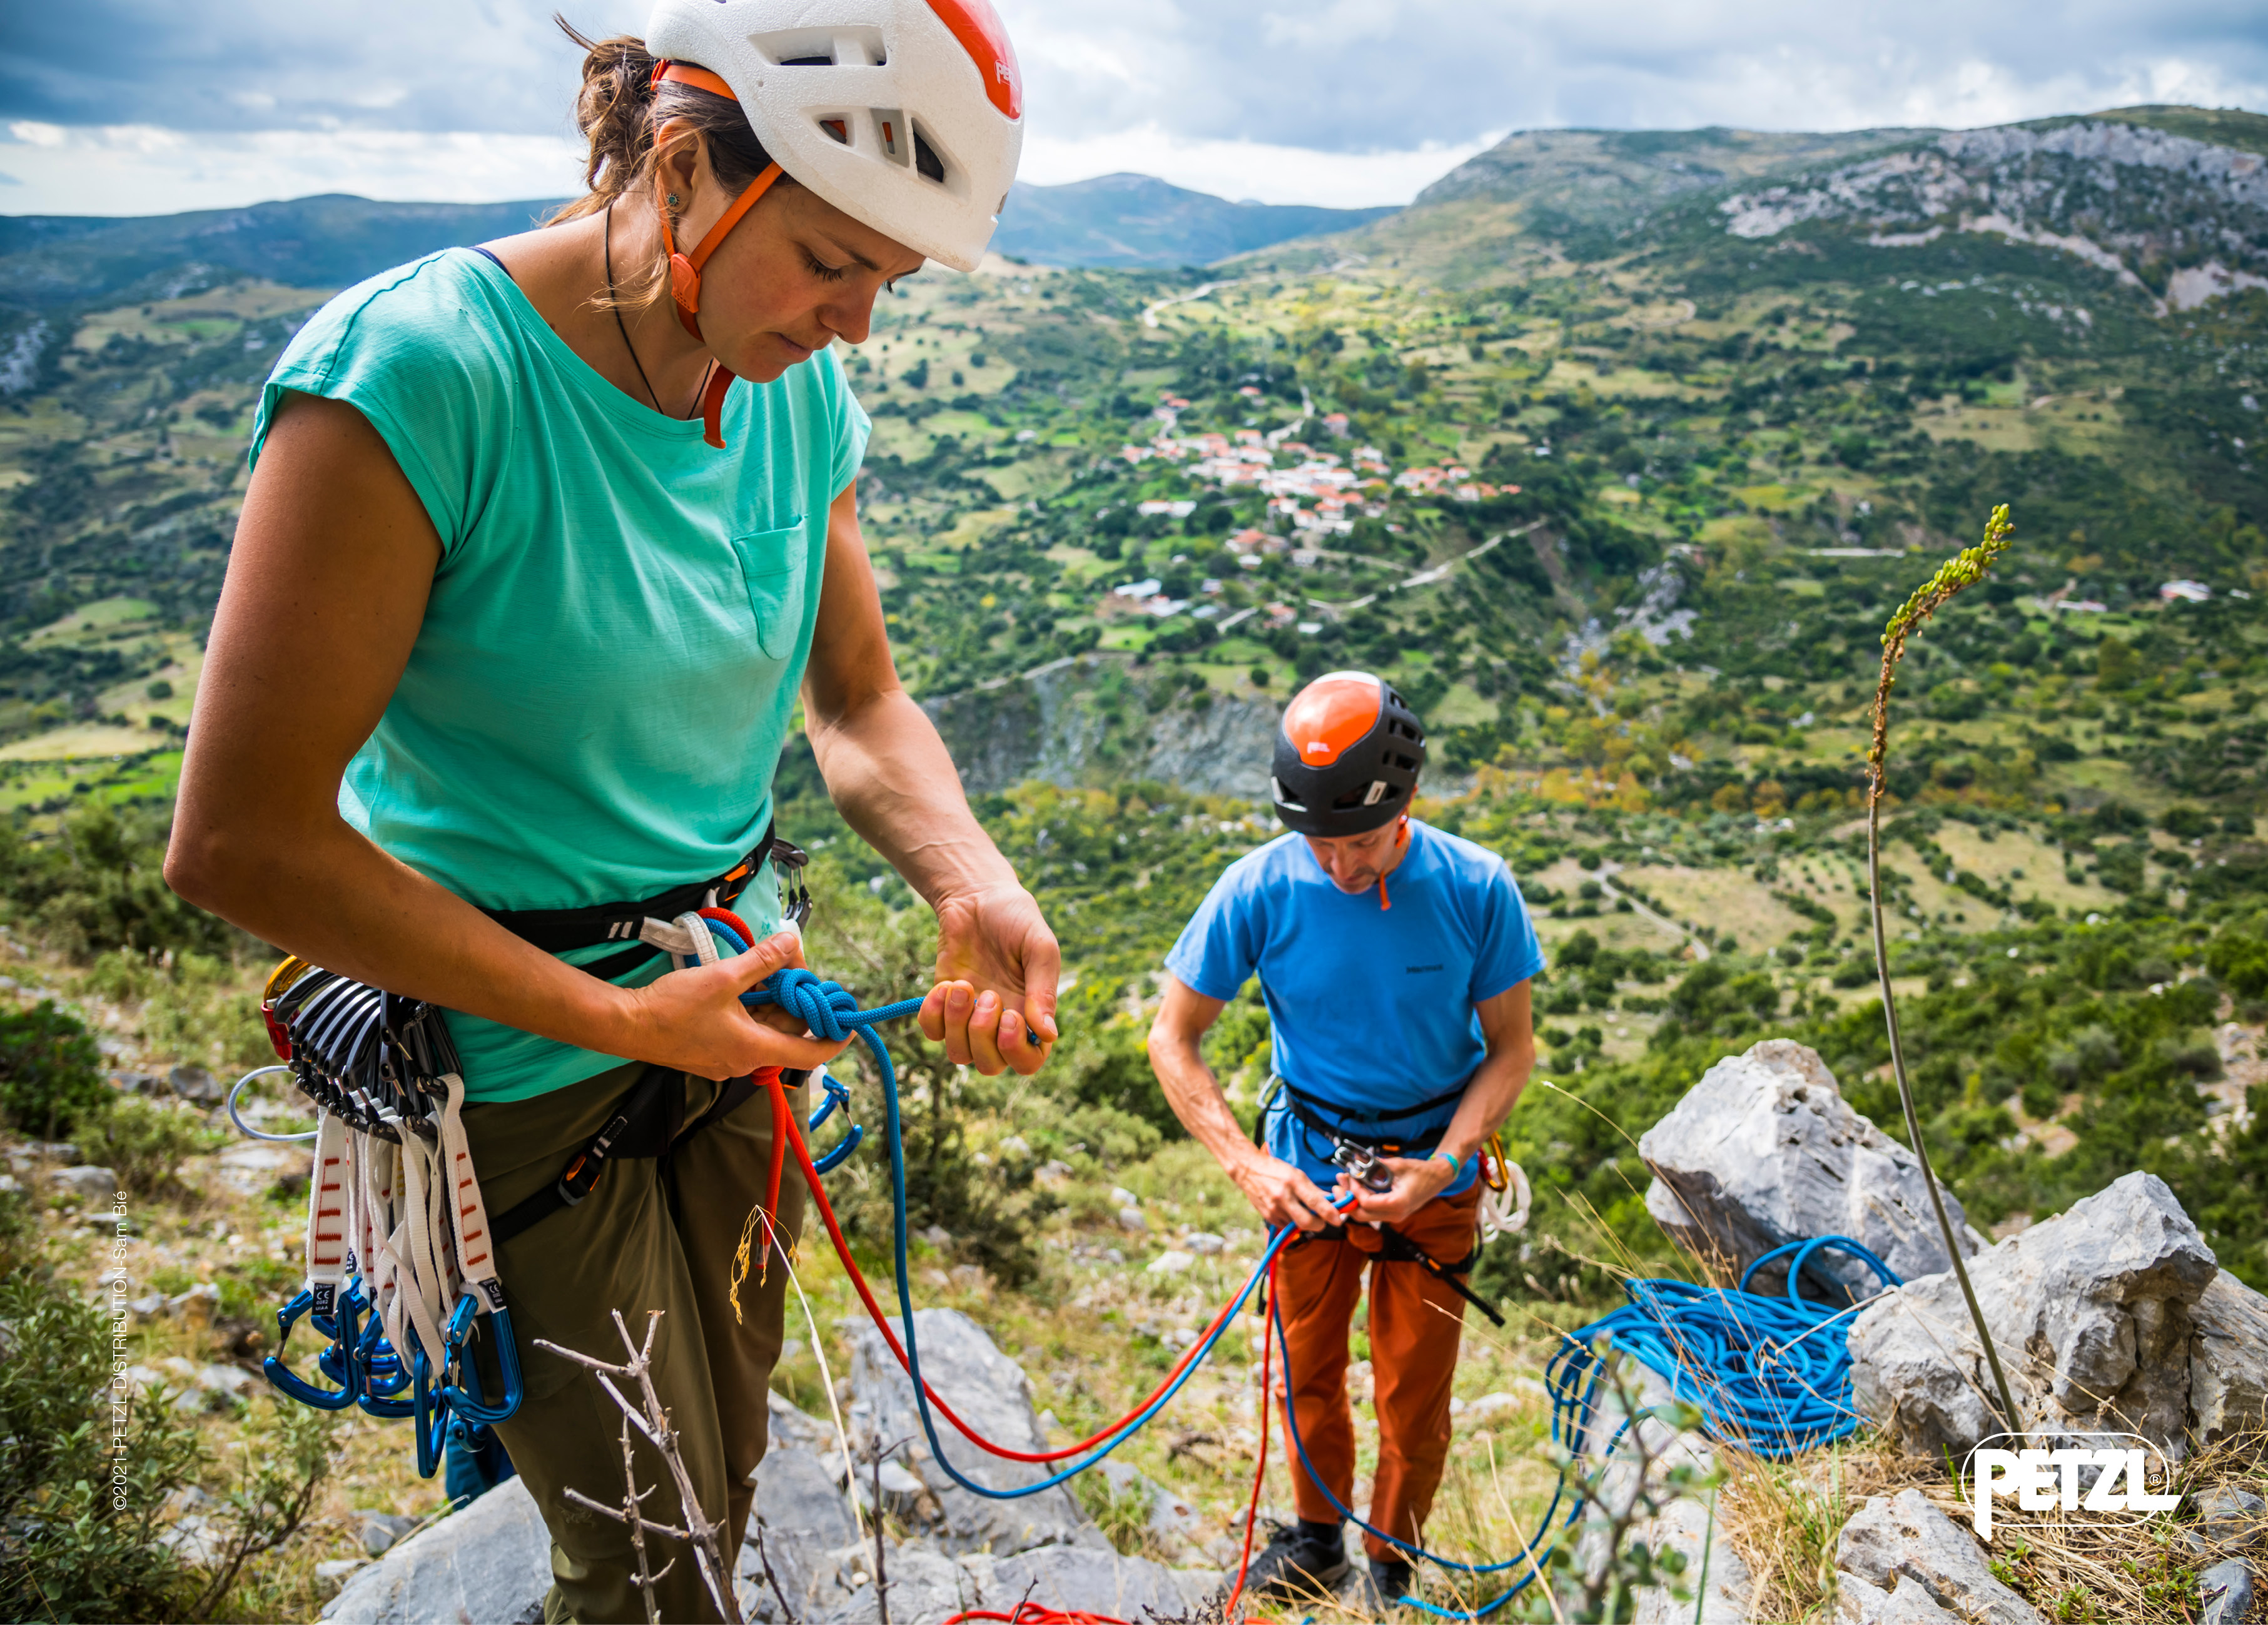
x=1348 y=755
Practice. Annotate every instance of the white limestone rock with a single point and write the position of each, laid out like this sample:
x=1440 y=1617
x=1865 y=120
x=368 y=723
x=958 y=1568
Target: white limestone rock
x=2228 y=1361
x=1765 y=1149
x=2090 y=1310
x=1895 y=1542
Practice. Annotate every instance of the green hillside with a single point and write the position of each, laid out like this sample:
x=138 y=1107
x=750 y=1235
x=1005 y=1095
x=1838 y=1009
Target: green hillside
x=1615 y=452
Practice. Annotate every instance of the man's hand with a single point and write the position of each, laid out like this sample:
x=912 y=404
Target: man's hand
x=1281 y=1195
x=1414 y=1184
x=997 y=964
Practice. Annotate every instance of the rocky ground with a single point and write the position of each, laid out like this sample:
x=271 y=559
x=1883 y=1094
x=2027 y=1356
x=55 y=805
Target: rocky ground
x=2112 y=1315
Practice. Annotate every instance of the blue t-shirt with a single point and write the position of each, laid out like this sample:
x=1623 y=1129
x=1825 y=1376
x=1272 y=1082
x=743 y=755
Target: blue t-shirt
x=1372 y=1008
x=618 y=629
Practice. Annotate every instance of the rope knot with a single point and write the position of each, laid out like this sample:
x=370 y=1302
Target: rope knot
x=820 y=1004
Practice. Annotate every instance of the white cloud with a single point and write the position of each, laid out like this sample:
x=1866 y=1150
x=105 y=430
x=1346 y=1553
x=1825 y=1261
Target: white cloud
x=140 y=169
x=1282 y=99
x=1242 y=170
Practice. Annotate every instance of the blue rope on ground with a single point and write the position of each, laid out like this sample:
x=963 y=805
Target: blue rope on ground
x=1770 y=1375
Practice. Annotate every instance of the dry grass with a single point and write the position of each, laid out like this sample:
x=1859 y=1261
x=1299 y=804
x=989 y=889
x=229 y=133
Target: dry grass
x=2077 y=1568
x=1784 y=1519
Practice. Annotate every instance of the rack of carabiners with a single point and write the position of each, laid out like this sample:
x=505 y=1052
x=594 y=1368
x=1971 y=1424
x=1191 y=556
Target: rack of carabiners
x=400 y=1268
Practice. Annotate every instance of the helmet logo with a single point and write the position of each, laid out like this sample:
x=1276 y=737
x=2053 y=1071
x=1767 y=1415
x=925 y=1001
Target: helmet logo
x=978 y=28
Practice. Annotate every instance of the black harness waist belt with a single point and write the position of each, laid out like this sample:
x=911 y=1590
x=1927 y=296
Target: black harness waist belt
x=1303 y=1109
x=649 y=1120
x=557 y=930
x=554 y=931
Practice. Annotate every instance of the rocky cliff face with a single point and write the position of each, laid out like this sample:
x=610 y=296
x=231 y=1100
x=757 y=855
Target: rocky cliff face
x=2185 y=219
x=1094 y=720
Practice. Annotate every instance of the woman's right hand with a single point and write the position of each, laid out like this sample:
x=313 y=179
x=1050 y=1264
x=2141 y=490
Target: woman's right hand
x=692 y=1020
x=1281 y=1195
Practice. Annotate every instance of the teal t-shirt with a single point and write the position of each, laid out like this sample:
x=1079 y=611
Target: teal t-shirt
x=596 y=702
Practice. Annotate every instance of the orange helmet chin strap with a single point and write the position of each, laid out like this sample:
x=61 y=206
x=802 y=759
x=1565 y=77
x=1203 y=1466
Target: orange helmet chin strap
x=685 y=269
x=1401 y=840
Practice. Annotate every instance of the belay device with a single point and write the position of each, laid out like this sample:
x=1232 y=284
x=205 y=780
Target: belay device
x=401 y=1266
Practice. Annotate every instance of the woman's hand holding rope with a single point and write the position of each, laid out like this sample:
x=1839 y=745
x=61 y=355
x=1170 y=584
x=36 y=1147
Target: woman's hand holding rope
x=993 y=948
x=692 y=1019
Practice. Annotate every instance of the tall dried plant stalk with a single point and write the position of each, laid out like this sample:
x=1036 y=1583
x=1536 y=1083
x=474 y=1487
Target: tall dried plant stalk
x=1964 y=570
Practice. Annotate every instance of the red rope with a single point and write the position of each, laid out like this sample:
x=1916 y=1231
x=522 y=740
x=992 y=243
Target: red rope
x=1032 y=1612
x=882 y=1323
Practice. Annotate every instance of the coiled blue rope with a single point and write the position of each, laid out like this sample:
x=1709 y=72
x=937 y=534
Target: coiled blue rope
x=1768 y=1375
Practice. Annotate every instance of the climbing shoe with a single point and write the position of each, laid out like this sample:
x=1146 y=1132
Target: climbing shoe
x=1298 y=1562
x=1392 y=1581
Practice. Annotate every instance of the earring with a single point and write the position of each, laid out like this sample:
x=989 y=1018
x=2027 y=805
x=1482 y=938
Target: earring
x=673 y=199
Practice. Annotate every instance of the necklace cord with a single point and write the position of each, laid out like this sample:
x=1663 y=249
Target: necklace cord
x=620 y=325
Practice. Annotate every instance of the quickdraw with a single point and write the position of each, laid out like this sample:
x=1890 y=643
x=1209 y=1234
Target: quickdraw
x=401 y=1265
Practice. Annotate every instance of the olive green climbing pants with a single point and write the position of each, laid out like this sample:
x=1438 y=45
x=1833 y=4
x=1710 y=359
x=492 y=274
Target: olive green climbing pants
x=635 y=1245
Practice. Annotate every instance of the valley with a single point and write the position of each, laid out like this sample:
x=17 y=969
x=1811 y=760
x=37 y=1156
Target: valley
x=1616 y=451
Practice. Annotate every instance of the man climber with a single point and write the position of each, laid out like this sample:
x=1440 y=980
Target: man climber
x=1401 y=1040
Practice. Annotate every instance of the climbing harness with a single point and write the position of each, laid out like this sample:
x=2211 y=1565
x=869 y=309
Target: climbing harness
x=400 y=1248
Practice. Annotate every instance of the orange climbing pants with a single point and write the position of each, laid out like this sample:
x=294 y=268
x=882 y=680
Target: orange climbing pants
x=1415 y=1325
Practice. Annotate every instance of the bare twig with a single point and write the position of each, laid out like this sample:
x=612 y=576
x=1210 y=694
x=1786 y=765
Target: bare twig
x=1963 y=570
x=649 y=1418
x=881 y=1579
x=764 y=1558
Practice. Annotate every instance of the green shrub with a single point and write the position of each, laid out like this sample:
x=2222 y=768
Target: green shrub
x=50 y=1071
x=144 y=1141
x=88 y=1473
x=80 y=1523
x=98 y=883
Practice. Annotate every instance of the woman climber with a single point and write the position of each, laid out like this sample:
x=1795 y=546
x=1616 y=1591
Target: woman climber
x=524 y=598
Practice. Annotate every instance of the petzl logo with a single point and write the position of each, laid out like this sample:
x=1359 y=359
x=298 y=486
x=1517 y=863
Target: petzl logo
x=2100 y=1473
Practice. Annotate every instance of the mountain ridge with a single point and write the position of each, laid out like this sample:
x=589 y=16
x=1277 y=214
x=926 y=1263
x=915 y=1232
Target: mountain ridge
x=335 y=240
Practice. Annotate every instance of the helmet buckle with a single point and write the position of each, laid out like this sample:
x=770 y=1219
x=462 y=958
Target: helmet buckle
x=684 y=282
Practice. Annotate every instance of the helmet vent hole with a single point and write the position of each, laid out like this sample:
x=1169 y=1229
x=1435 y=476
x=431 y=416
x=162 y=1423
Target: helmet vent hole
x=926 y=161
x=808 y=61
x=837 y=129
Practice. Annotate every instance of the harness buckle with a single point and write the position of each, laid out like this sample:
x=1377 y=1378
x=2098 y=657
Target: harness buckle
x=581 y=1178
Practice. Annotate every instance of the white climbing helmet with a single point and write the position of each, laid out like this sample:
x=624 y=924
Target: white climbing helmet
x=905 y=115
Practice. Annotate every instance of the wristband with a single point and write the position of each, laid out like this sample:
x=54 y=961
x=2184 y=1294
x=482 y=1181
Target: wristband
x=1457 y=1166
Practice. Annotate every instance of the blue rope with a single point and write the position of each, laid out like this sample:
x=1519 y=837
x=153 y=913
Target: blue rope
x=1772 y=1376
x=830 y=1011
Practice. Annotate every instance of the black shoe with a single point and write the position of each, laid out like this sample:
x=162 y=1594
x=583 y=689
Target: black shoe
x=1298 y=1562
x=1392 y=1581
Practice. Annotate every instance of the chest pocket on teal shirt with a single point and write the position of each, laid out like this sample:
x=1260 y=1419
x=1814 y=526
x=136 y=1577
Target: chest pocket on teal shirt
x=774 y=564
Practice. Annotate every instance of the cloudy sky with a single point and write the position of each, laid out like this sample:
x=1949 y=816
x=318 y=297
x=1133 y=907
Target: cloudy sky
x=135 y=106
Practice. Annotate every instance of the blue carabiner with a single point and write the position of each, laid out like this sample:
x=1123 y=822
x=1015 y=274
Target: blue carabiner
x=289 y=1382
x=433 y=1435
x=839 y=1153
x=467 y=1399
